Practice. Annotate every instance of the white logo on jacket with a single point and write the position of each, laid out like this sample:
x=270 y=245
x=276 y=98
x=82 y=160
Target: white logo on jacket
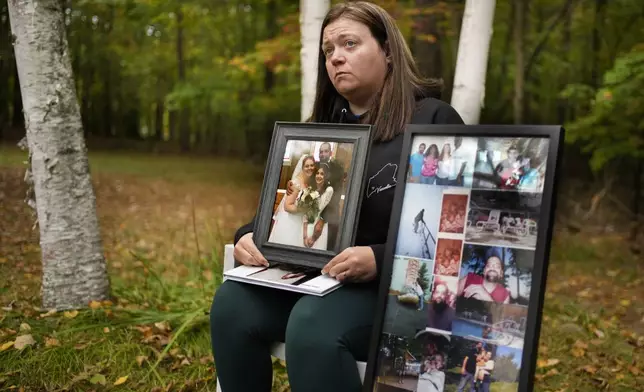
x=384 y=179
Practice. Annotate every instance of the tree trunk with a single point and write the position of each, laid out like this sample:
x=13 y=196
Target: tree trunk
x=18 y=118
x=184 y=131
x=471 y=64
x=562 y=105
x=596 y=48
x=74 y=270
x=519 y=84
x=427 y=41
x=312 y=13
x=637 y=200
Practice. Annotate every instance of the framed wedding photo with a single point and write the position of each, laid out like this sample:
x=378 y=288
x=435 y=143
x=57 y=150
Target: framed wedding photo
x=461 y=294
x=310 y=198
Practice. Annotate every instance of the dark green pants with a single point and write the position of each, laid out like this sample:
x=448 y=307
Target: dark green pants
x=324 y=336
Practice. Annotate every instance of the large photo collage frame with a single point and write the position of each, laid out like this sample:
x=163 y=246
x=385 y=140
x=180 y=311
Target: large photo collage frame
x=460 y=303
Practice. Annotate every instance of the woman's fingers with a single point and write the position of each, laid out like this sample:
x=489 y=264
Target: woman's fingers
x=248 y=252
x=339 y=258
x=255 y=254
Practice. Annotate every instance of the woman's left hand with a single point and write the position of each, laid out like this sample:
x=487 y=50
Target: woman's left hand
x=354 y=264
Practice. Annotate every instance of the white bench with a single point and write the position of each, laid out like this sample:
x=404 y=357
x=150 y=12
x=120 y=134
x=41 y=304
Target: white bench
x=278 y=350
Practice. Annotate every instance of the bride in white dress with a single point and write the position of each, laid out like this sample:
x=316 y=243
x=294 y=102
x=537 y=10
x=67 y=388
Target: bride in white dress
x=322 y=185
x=287 y=229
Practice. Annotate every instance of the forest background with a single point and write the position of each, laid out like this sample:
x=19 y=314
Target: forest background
x=178 y=101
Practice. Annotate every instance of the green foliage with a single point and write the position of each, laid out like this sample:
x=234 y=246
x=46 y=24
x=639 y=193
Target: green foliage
x=613 y=128
x=423 y=277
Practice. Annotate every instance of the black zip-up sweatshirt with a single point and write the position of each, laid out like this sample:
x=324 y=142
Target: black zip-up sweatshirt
x=382 y=169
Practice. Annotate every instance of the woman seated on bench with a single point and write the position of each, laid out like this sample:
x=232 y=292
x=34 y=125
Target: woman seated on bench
x=366 y=74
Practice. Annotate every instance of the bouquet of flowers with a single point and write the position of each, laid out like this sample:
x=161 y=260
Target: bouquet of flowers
x=309 y=203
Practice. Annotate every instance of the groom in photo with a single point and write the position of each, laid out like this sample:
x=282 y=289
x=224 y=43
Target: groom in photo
x=331 y=213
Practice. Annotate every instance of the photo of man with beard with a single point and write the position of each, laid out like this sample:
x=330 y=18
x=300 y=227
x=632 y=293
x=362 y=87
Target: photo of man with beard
x=488 y=286
x=441 y=310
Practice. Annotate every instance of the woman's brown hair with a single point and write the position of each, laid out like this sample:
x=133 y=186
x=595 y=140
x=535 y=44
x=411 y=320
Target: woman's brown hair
x=394 y=105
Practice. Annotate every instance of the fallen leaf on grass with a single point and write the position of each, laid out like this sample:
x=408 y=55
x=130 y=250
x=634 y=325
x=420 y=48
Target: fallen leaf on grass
x=98 y=379
x=71 y=314
x=581 y=344
x=24 y=327
x=120 y=380
x=599 y=333
x=106 y=330
x=635 y=371
x=589 y=369
x=48 y=314
x=95 y=305
x=552 y=372
x=625 y=303
x=163 y=326
x=23 y=341
x=543 y=363
x=140 y=359
x=160 y=340
x=206 y=360
x=578 y=352
x=6 y=346
x=50 y=342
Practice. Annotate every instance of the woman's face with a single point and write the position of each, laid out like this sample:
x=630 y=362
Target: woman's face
x=320 y=176
x=447 y=149
x=355 y=62
x=309 y=167
x=433 y=151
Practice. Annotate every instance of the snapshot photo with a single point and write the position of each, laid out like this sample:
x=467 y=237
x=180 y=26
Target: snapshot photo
x=418 y=228
x=448 y=257
x=310 y=194
x=453 y=213
x=409 y=296
x=434 y=361
x=488 y=367
x=415 y=363
x=442 y=308
x=442 y=160
x=399 y=363
x=511 y=163
x=286 y=274
x=496 y=274
x=503 y=218
x=493 y=323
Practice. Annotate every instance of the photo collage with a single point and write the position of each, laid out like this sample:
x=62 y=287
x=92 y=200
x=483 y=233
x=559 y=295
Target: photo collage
x=457 y=306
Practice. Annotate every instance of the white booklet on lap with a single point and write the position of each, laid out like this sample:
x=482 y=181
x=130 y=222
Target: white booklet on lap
x=285 y=277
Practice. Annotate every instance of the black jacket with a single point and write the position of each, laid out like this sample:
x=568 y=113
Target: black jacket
x=384 y=157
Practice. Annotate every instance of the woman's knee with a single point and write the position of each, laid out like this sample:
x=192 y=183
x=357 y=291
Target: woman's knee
x=308 y=329
x=224 y=310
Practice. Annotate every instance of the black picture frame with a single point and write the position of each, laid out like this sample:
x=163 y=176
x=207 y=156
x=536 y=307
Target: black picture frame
x=555 y=136
x=357 y=134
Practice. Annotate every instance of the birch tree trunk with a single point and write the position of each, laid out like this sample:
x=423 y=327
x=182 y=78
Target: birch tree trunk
x=312 y=13
x=471 y=62
x=74 y=270
x=519 y=21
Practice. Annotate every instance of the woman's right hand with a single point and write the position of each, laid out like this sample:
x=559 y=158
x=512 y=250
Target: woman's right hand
x=247 y=253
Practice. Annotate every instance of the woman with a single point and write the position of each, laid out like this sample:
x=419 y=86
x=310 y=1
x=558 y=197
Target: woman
x=366 y=74
x=445 y=165
x=287 y=229
x=430 y=165
x=323 y=186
